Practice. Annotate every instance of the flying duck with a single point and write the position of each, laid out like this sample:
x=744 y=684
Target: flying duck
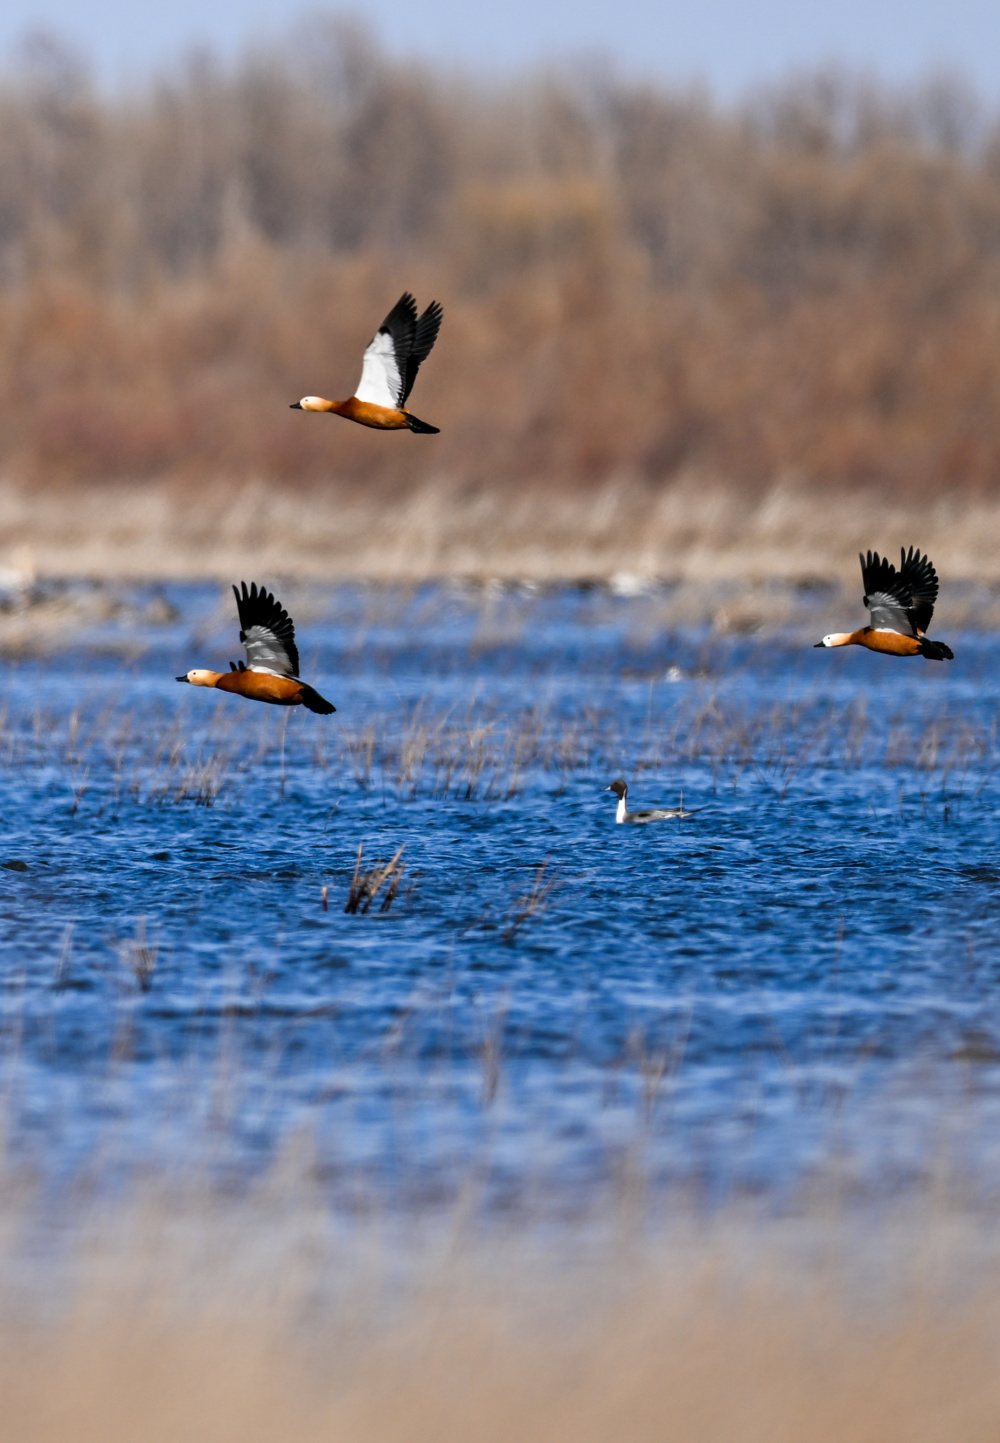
x=388 y=372
x=655 y=814
x=270 y=672
x=901 y=604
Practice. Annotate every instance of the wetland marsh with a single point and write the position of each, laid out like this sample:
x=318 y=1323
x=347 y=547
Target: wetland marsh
x=794 y=990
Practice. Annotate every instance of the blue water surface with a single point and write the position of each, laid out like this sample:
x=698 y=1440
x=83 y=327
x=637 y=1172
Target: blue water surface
x=795 y=989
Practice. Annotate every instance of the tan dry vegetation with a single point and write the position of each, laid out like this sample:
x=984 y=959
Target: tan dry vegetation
x=706 y=537
x=719 y=1334
x=647 y=299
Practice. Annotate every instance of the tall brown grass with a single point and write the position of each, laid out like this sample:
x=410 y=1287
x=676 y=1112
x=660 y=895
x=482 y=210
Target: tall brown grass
x=198 y=1328
x=640 y=287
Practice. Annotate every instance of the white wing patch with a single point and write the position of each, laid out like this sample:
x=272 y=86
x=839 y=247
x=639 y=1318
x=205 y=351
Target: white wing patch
x=381 y=383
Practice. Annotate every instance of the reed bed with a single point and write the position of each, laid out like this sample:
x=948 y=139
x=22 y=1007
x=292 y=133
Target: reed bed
x=109 y=759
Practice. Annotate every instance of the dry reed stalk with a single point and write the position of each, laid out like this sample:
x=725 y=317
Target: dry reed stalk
x=531 y=904
x=140 y=955
x=491 y=1052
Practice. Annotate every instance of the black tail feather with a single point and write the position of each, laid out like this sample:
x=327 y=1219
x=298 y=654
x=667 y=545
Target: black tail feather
x=312 y=701
x=421 y=426
x=936 y=650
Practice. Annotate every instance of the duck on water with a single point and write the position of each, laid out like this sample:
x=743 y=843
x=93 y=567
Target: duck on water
x=653 y=814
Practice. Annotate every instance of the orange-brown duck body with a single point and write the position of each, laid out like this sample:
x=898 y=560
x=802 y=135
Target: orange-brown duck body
x=901 y=604
x=254 y=685
x=270 y=673
x=890 y=643
x=366 y=413
x=391 y=362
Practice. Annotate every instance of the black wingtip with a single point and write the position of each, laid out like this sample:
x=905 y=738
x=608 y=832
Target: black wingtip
x=245 y=594
x=403 y=312
x=429 y=324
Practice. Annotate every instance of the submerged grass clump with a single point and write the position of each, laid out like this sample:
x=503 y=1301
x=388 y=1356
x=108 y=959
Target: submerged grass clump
x=367 y=882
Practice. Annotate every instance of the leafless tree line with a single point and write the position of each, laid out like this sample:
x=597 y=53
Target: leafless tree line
x=807 y=286
x=326 y=145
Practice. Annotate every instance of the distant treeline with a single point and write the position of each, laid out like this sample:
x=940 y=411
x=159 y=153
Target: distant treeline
x=636 y=282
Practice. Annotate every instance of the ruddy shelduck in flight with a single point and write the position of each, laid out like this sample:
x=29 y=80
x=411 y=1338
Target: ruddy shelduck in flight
x=390 y=367
x=901 y=604
x=271 y=670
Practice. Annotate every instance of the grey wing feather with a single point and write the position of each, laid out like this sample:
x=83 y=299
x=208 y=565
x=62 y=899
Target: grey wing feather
x=885 y=595
x=266 y=630
x=903 y=600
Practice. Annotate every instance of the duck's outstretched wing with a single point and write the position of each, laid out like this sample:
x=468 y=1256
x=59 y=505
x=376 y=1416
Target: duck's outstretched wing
x=900 y=601
x=423 y=341
x=383 y=372
x=917 y=573
x=393 y=358
x=267 y=632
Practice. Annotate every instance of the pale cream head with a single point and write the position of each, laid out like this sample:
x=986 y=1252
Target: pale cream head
x=313 y=403
x=200 y=677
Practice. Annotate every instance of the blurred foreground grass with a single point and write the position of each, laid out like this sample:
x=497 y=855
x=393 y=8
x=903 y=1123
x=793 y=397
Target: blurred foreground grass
x=265 y=1320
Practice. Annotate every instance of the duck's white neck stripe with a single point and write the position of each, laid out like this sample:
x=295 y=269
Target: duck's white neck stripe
x=622 y=809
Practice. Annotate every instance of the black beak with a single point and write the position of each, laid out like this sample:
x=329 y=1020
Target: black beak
x=295 y=406
x=817 y=644
x=180 y=678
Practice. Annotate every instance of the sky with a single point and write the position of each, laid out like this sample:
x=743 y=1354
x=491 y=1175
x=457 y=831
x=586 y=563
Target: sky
x=730 y=45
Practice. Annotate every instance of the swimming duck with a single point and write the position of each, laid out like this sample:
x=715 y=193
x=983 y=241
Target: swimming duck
x=901 y=604
x=656 y=814
x=270 y=672
x=388 y=372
